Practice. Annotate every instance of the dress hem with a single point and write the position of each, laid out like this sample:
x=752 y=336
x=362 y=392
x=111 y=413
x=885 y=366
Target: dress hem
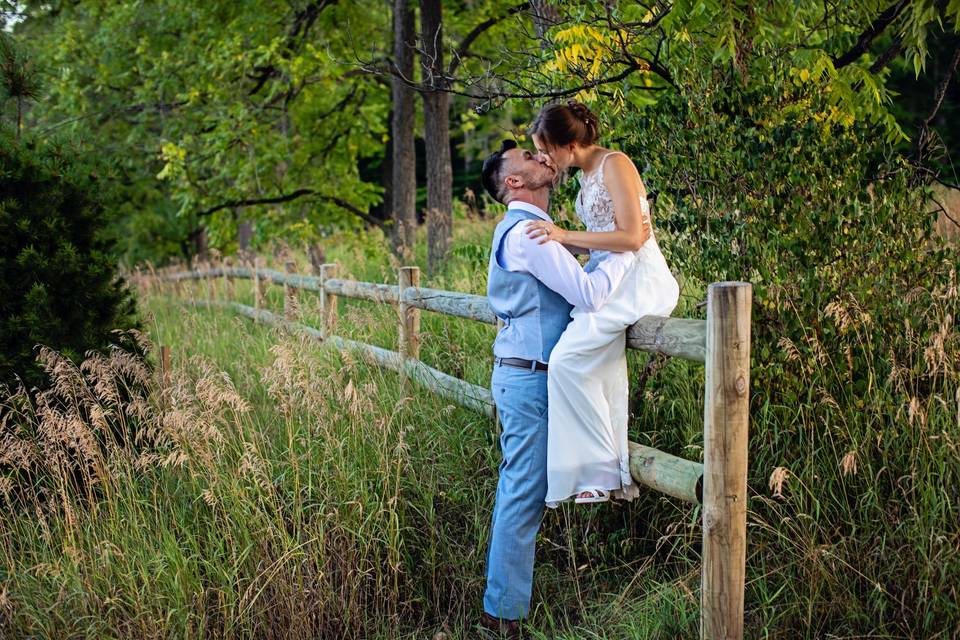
x=622 y=493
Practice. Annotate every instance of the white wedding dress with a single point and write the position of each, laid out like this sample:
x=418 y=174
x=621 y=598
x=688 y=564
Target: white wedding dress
x=587 y=381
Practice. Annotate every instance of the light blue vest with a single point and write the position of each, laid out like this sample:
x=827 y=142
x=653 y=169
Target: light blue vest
x=535 y=316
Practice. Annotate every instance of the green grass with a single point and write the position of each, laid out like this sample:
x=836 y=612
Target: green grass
x=297 y=492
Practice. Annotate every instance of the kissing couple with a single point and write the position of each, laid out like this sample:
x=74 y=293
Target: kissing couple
x=560 y=369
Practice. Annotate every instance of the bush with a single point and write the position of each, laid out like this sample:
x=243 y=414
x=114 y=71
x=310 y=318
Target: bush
x=853 y=469
x=59 y=286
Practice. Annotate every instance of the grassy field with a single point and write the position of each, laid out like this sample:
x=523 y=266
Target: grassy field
x=278 y=489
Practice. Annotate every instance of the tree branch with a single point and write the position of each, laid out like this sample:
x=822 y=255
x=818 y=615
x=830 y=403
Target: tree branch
x=942 y=209
x=924 y=137
x=461 y=51
x=892 y=52
x=302 y=22
x=255 y=201
x=299 y=193
x=343 y=204
x=942 y=89
x=870 y=34
x=629 y=68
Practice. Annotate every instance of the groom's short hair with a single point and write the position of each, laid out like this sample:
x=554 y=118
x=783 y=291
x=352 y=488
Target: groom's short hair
x=490 y=174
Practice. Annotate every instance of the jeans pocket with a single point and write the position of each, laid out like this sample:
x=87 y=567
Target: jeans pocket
x=542 y=409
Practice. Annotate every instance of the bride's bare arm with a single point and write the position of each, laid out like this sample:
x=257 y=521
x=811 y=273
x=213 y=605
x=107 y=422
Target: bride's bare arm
x=625 y=187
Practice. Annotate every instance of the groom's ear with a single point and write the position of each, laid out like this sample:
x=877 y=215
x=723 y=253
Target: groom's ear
x=513 y=181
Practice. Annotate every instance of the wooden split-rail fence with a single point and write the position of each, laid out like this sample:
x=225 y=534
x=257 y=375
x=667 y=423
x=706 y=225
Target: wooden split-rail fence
x=721 y=342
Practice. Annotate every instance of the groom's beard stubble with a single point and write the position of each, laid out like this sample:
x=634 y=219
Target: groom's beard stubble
x=548 y=182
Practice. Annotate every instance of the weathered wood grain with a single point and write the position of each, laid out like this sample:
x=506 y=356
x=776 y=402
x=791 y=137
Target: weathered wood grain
x=258 y=292
x=289 y=292
x=451 y=303
x=295 y=280
x=680 y=337
x=725 y=426
x=363 y=290
x=722 y=342
x=666 y=473
x=409 y=329
x=328 y=301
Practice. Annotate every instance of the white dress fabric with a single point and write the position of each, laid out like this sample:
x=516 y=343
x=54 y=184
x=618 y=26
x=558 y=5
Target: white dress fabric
x=587 y=382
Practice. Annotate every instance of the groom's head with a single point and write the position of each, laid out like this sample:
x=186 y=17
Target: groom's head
x=513 y=171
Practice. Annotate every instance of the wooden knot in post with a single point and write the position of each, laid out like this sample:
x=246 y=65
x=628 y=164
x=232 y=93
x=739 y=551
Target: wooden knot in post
x=741 y=385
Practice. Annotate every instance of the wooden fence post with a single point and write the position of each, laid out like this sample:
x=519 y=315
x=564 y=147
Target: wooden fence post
x=328 y=301
x=257 y=286
x=289 y=293
x=409 y=315
x=211 y=283
x=177 y=285
x=227 y=282
x=725 y=425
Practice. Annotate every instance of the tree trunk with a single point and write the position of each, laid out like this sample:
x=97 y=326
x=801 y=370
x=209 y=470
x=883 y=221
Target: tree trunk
x=386 y=176
x=244 y=238
x=544 y=16
x=436 y=113
x=199 y=241
x=404 y=203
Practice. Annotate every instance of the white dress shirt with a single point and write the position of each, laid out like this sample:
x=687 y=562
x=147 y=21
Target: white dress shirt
x=555 y=267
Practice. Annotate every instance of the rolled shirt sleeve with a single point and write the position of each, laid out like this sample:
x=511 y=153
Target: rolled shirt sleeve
x=555 y=267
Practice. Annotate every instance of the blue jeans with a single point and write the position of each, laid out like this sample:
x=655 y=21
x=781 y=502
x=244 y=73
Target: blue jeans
x=521 y=399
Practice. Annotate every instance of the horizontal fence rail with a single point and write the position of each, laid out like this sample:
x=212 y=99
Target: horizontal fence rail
x=678 y=337
x=721 y=342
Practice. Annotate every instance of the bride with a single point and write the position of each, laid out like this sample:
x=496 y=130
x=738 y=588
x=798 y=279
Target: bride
x=587 y=454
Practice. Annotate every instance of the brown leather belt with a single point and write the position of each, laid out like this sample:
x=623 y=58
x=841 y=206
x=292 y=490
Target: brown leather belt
x=520 y=363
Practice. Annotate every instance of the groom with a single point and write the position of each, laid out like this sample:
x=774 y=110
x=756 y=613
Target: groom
x=532 y=288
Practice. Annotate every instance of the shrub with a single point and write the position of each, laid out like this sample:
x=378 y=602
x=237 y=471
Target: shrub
x=855 y=351
x=59 y=285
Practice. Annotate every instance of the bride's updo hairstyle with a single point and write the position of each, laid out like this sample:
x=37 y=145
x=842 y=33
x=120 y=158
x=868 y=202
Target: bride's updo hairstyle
x=563 y=123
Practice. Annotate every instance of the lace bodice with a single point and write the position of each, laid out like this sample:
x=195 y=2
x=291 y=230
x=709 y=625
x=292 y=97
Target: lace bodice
x=594 y=204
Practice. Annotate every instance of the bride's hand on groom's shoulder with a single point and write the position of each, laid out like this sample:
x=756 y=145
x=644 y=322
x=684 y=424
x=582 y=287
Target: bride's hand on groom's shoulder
x=544 y=231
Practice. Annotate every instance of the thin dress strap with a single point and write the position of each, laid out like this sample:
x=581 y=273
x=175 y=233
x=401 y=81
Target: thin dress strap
x=604 y=159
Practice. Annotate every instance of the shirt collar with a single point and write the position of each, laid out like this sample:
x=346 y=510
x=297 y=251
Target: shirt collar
x=529 y=208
